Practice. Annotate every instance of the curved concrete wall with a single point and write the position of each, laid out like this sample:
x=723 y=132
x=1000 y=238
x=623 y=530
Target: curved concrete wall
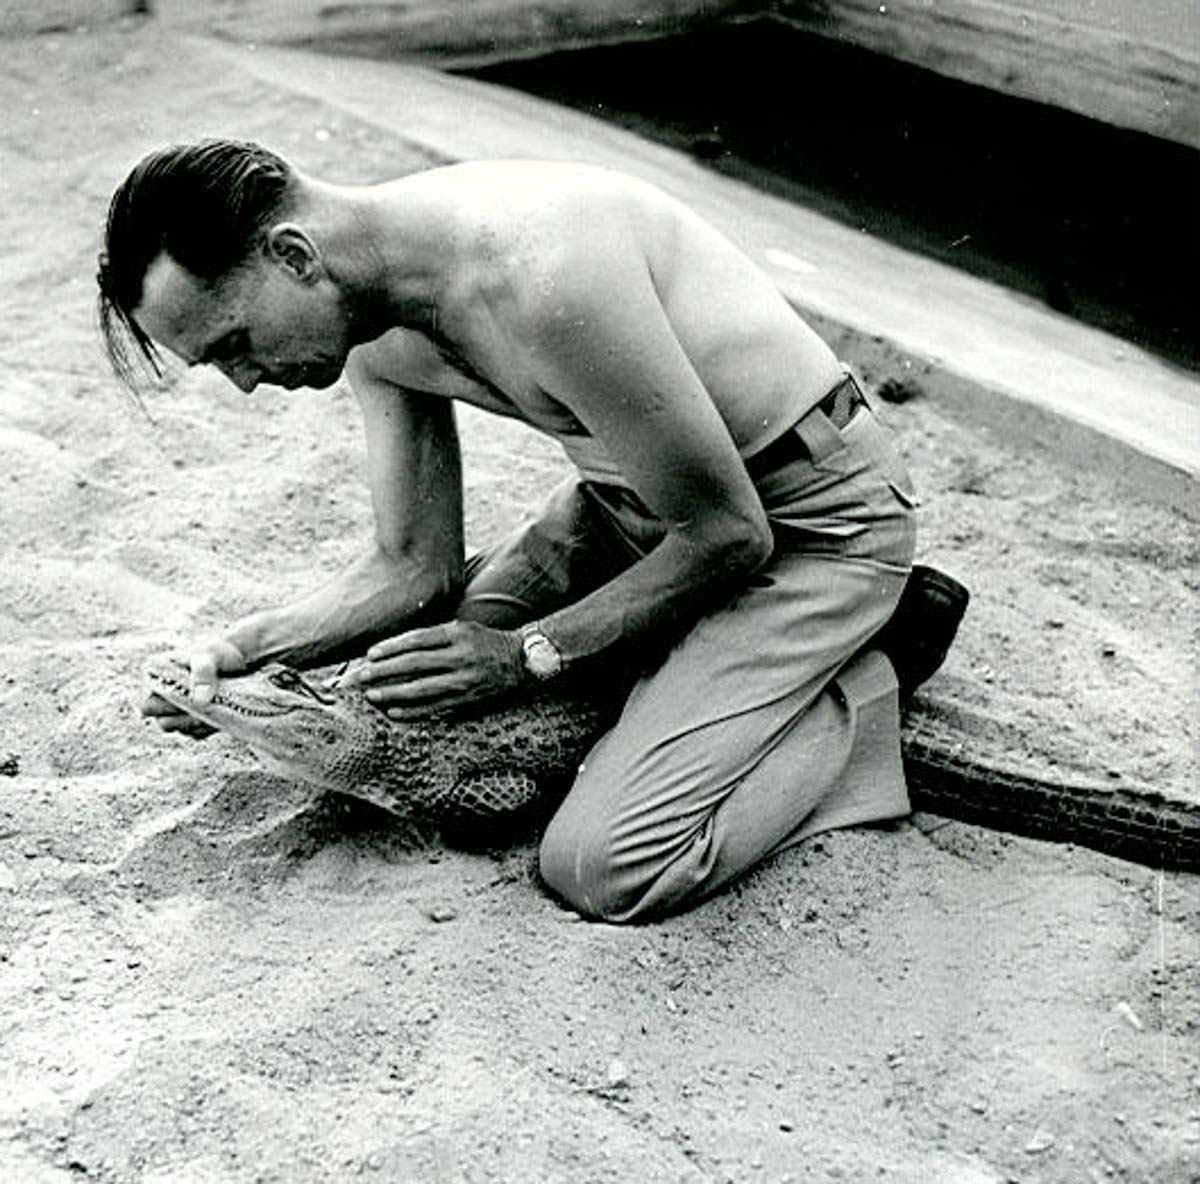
x=1136 y=65
x=1133 y=65
x=24 y=17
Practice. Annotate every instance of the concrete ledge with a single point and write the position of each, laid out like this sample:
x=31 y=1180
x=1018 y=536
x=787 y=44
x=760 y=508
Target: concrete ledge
x=1132 y=65
x=1011 y=416
x=990 y=356
x=22 y=18
x=459 y=29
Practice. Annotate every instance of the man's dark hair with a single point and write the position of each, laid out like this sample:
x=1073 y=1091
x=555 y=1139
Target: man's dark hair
x=205 y=205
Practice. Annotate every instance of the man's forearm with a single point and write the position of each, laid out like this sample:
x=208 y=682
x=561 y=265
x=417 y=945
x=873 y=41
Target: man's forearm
x=375 y=597
x=656 y=600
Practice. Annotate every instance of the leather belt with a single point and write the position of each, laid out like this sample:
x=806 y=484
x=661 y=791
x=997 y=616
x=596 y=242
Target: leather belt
x=842 y=402
x=839 y=407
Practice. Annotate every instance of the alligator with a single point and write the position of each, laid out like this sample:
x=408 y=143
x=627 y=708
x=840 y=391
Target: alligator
x=481 y=767
x=475 y=772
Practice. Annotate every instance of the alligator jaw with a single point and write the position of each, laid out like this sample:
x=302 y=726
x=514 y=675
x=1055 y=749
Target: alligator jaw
x=174 y=685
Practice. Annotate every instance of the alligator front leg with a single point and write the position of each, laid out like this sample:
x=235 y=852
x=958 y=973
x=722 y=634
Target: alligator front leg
x=481 y=809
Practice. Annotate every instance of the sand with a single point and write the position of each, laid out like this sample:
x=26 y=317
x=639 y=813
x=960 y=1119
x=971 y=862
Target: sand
x=207 y=974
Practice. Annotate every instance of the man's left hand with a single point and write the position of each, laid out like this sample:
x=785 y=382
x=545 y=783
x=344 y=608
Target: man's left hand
x=442 y=666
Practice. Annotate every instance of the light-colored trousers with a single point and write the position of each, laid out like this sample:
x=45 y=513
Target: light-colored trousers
x=770 y=721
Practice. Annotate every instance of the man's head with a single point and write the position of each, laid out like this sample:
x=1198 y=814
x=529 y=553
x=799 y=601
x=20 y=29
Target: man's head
x=200 y=258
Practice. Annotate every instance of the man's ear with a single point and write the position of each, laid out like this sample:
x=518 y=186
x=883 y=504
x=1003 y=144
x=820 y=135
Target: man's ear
x=289 y=244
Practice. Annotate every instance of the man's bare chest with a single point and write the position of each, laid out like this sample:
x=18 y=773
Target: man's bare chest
x=496 y=380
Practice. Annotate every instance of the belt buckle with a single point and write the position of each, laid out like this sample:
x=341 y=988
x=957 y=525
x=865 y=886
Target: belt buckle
x=842 y=402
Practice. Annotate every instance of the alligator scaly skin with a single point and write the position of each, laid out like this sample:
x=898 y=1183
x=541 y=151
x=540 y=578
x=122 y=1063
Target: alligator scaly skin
x=947 y=775
x=472 y=768
x=454 y=769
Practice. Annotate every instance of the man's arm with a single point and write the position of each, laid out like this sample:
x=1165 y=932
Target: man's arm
x=414 y=568
x=412 y=573
x=611 y=355
x=606 y=349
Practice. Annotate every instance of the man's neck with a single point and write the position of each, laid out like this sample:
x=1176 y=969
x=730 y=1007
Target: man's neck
x=384 y=248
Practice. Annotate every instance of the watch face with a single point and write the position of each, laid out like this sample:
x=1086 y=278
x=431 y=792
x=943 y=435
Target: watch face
x=541 y=658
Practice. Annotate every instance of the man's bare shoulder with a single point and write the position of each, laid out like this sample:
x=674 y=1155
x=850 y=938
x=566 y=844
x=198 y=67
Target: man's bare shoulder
x=506 y=206
x=401 y=358
x=483 y=183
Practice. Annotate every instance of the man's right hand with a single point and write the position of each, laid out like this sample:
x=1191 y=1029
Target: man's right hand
x=208 y=663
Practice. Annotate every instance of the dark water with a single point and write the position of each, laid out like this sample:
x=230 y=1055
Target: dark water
x=1097 y=222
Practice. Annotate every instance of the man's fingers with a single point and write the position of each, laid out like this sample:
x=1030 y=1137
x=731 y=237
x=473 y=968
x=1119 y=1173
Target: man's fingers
x=423 y=691
x=156 y=705
x=186 y=725
x=420 y=665
x=204 y=676
x=416 y=654
x=170 y=719
x=448 y=696
x=432 y=637
x=418 y=711
x=206 y=664
x=437 y=667
x=209 y=663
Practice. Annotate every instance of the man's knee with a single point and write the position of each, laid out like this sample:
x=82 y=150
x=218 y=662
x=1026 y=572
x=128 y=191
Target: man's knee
x=578 y=864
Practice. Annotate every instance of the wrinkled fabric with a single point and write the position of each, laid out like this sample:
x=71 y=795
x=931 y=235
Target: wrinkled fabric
x=771 y=720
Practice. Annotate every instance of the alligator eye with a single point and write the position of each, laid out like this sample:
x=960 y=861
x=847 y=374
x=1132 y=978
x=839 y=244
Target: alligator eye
x=292 y=680
x=287 y=679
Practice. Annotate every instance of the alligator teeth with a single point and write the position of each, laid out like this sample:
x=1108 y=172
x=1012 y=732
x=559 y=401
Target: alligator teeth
x=179 y=690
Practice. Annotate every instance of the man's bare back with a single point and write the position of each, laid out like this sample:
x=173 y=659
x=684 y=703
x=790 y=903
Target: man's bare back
x=519 y=233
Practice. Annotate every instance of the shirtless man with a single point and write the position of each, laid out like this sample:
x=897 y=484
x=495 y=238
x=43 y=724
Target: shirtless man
x=738 y=536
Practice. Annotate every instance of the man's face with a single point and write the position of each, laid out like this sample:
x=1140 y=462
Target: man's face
x=261 y=324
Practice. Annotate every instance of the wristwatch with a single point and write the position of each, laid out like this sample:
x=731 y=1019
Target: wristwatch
x=542 y=658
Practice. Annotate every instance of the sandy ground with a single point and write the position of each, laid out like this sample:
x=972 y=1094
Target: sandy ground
x=207 y=975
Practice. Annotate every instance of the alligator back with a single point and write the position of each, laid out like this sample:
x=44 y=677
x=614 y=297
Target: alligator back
x=484 y=764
